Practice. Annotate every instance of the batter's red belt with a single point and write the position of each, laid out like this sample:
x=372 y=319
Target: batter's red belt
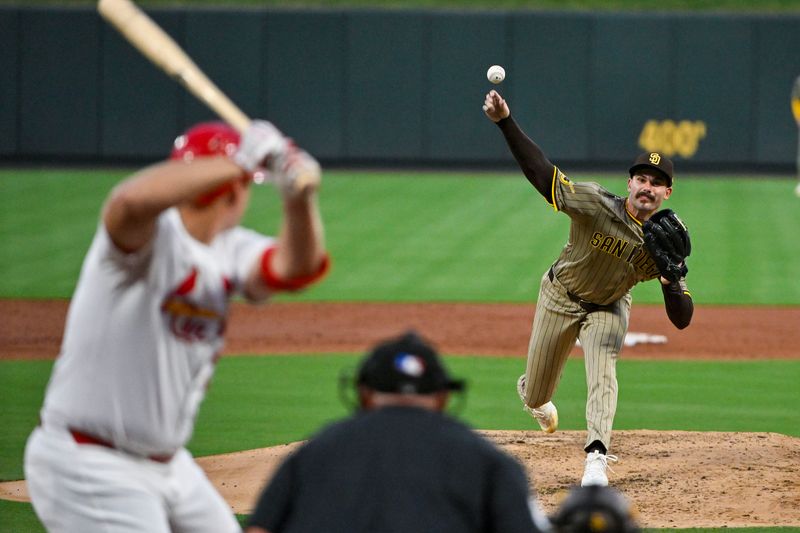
x=84 y=438
x=586 y=305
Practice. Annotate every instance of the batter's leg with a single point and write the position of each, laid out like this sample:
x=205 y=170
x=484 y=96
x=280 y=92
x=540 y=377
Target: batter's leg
x=90 y=488
x=196 y=506
x=602 y=336
x=555 y=329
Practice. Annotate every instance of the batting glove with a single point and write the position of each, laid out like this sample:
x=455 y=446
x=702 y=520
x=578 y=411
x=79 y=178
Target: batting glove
x=295 y=171
x=261 y=144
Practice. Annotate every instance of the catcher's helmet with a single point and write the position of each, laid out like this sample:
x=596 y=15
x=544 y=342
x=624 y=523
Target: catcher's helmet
x=204 y=139
x=594 y=509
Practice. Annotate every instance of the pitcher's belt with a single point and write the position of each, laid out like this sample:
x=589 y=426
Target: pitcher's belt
x=585 y=304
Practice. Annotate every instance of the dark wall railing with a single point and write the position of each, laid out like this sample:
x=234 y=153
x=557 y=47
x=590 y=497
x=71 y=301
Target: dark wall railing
x=406 y=87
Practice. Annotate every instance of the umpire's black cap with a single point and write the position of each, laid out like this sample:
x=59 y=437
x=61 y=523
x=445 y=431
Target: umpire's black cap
x=656 y=161
x=406 y=364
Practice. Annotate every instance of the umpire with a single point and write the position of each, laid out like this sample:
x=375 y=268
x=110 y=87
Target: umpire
x=399 y=463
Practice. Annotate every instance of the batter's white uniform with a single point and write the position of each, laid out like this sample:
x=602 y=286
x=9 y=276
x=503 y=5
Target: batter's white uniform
x=143 y=334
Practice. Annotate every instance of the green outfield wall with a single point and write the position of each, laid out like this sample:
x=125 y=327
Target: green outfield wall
x=401 y=87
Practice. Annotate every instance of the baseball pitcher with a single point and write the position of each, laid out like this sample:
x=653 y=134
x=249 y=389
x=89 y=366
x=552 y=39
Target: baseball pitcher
x=614 y=243
x=145 y=328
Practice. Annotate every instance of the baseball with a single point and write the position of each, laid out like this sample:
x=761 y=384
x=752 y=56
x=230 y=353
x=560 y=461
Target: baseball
x=496 y=74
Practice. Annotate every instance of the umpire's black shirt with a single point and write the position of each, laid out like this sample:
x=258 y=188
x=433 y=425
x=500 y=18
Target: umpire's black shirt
x=397 y=469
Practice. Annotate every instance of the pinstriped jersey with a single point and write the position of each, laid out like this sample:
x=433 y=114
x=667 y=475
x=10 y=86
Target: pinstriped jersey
x=604 y=257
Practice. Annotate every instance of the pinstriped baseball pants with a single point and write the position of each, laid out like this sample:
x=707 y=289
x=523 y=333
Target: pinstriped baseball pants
x=558 y=322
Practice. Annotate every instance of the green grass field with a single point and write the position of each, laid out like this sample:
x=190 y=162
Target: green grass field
x=408 y=236
x=240 y=411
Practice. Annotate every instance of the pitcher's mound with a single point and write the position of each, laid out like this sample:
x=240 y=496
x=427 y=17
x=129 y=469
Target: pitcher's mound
x=675 y=478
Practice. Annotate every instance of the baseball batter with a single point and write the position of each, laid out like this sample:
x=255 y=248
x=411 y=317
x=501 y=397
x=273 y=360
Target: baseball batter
x=585 y=294
x=145 y=328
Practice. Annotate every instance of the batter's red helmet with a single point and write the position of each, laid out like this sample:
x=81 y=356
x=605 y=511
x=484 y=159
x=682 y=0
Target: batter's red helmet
x=204 y=139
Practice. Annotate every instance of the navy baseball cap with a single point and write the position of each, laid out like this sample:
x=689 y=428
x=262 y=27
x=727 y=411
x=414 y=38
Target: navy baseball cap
x=406 y=364
x=653 y=161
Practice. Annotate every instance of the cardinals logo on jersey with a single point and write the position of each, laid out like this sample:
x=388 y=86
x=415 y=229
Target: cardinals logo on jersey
x=190 y=321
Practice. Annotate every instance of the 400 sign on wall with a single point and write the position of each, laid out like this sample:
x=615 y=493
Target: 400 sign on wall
x=670 y=138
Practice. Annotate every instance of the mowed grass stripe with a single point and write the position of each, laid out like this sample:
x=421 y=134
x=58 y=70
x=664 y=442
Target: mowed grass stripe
x=260 y=401
x=407 y=236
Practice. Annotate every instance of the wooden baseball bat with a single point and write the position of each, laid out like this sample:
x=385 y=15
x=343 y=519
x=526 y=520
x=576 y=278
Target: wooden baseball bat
x=154 y=43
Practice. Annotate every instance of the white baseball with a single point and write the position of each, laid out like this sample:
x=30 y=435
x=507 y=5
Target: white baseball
x=496 y=74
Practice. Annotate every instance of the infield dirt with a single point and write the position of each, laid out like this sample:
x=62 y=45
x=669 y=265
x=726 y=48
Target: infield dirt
x=673 y=478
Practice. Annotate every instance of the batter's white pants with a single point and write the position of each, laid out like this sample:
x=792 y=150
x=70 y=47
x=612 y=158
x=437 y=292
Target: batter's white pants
x=87 y=488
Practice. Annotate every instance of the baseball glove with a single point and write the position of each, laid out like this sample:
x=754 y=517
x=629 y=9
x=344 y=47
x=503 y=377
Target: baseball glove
x=667 y=240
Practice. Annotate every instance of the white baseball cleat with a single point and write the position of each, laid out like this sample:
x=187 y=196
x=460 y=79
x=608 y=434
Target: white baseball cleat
x=594 y=472
x=797 y=190
x=546 y=415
